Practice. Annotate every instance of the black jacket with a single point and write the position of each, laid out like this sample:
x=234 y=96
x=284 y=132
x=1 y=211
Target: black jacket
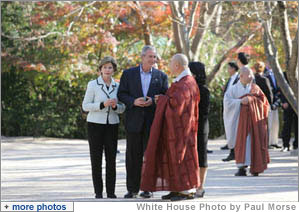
x=265 y=86
x=130 y=88
x=204 y=108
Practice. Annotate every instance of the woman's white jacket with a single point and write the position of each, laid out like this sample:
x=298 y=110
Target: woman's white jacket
x=95 y=94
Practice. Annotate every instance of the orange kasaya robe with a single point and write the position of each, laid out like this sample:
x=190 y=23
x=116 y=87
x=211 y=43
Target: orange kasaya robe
x=171 y=160
x=253 y=119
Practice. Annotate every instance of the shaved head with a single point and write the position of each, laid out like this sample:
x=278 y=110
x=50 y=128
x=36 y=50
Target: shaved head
x=181 y=59
x=246 y=75
x=178 y=63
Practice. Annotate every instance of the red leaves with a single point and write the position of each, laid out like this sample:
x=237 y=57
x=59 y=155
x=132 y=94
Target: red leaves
x=32 y=67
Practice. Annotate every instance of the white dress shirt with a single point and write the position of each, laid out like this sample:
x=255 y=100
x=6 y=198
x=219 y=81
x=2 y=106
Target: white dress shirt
x=145 y=80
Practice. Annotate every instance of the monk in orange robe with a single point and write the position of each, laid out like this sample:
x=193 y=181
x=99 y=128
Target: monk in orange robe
x=248 y=106
x=171 y=160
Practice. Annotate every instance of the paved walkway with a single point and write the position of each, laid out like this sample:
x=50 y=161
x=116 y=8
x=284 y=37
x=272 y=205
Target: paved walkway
x=50 y=169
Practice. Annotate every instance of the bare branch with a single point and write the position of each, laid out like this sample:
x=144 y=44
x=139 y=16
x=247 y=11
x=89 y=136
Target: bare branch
x=271 y=53
x=294 y=58
x=75 y=19
x=198 y=40
x=78 y=9
x=32 y=38
x=237 y=46
x=176 y=29
x=192 y=16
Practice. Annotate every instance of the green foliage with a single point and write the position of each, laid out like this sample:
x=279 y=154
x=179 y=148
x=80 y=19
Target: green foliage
x=38 y=104
x=216 y=110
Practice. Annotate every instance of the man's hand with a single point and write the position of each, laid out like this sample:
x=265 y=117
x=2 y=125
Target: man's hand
x=148 y=102
x=244 y=100
x=139 y=102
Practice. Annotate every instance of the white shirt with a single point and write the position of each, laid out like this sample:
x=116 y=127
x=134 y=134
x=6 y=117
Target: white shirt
x=232 y=79
x=186 y=72
x=145 y=80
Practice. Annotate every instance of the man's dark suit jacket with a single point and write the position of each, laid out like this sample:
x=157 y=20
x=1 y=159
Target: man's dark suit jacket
x=265 y=86
x=130 y=88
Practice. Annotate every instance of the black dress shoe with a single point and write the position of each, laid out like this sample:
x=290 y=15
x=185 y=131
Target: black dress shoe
x=209 y=151
x=241 y=172
x=255 y=174
x=179 y=197
x=146 y=194
x=224 y=147
x=168 y=196
x=270 y=147
x=131 y=195
x=99 y=196
x=275 y=146
x=230 y=157
x=111 y=196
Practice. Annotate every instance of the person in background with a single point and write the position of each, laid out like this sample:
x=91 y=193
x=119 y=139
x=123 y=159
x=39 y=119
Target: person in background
x=137 y=90
x=290 y=122
x=103 y=107
x=243 y=60
x=232 y=69
x=198 y=71
x=248 y=108
x=273 y=119
x=262 y=81
x=264 y=84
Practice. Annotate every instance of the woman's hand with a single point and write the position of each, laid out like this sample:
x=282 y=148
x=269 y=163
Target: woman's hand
x=110 y=102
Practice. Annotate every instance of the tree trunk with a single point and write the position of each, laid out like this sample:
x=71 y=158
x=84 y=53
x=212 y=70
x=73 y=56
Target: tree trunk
x=271 y=53
x=147 y=34
x=290 y=48
x=175 y=26
x=143 y=21
x=207 y=20
x=285 y=33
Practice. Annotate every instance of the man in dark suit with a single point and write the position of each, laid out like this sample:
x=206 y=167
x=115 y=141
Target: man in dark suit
x=138 y=88
x=262 y=81
x=273 y=118
x=290 y=122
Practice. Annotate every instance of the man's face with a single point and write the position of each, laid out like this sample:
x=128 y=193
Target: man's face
x=149 y=59
x=172 y=67
x=230 y=70
x=245 y=77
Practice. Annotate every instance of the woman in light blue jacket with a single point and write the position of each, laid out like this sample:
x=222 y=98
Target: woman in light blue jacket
x=100 y=101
